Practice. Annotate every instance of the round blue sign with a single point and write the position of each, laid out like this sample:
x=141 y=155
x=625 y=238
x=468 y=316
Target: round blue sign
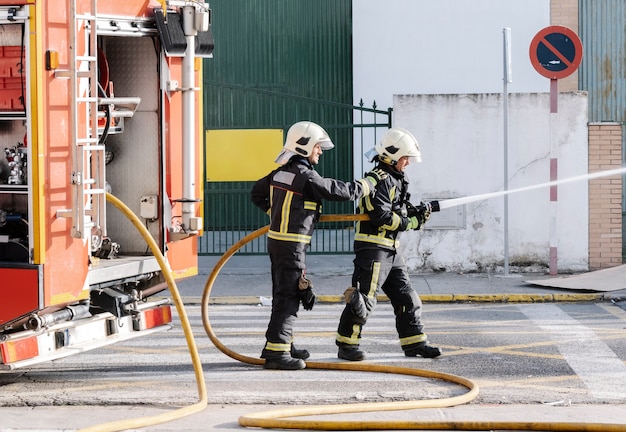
x=556 y=52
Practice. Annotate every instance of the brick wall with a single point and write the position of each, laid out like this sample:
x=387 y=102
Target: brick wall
x=605 y=196
x=605 y=152
x=565 y=13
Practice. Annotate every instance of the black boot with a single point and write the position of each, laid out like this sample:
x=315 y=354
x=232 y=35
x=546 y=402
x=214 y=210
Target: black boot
x=301 y=354
x=284 y=363
x=424 y=350
x=351 y=353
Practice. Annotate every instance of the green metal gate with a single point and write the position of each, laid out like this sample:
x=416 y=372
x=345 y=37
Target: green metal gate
x=229 y=214
x=277 y=62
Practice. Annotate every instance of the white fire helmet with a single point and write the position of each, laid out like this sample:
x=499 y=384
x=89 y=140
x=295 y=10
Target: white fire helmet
x=397 y=143
x=301 y=138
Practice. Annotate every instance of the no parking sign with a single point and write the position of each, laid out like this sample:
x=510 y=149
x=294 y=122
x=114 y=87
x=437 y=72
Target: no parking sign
x=556 y=52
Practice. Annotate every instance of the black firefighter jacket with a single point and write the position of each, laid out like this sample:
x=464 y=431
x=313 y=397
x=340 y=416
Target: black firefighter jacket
x=387 y=211
x=293 y=194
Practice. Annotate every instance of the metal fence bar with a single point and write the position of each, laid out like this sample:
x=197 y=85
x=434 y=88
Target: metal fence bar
x=229 y=214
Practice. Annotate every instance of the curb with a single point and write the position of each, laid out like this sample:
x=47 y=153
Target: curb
x=434 y=298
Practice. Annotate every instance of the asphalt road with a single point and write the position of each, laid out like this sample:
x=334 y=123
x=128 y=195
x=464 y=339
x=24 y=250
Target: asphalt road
x=538 y=354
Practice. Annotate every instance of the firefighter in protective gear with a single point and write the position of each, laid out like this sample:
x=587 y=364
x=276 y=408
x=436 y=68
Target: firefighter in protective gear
x=378 y=264
x=292 y=195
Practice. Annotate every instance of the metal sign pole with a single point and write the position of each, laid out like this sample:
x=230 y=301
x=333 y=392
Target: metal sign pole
x=555 y=52
x=554 y=153
x=506 y=32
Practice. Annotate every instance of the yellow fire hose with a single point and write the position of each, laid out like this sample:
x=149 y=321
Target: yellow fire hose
x=280 y=418
x=276 y=419
x=191 y=343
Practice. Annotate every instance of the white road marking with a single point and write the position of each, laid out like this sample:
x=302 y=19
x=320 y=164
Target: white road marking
x=594 y=362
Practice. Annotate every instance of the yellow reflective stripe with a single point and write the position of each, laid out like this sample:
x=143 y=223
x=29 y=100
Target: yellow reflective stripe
x=347 y=340
x=363 y=203
x=298 y=238
x=413 y=339
x=395 y=223
x=383 y=241
x=310 y=205
x=270 y=346
x=374 y=282
x=284 y=212
x=368 y=203
x=353 y=339
x=366 y=186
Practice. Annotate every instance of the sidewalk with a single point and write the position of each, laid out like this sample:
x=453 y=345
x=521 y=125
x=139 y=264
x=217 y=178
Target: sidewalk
x=225 y=417
x=245 y=279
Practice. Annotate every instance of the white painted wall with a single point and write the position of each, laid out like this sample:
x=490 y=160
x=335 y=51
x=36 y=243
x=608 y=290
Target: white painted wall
x=440 y=47
x=439 y=64
x=462 y=143
x=443 y=46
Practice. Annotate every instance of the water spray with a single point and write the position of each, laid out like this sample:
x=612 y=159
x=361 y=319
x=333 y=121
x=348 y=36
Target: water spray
x=435 y=206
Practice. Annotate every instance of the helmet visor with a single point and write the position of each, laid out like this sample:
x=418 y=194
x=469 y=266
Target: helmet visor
x=326 y=144
x=417 y=158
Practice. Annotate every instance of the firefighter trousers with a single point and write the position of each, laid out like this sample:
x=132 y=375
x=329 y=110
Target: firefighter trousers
x=374 y=270
x=287 y=265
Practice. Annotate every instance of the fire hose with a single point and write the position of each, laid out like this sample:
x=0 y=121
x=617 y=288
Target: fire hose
x=282 y=418
x=191 y=344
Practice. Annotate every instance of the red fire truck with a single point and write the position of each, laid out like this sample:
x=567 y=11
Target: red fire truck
x=97 y=100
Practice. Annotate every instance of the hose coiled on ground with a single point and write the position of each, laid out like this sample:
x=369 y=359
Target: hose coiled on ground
x=272 y=419
x=280 y=419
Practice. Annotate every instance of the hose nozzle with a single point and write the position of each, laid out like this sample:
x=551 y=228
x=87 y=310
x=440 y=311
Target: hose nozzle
x=429 y=206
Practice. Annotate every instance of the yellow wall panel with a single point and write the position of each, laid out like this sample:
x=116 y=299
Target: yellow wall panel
x=241 y=154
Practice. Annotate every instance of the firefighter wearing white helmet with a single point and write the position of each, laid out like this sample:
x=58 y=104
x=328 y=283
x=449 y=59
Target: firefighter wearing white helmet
x=379 y=264
x=292 y=195
x=398 y=143
x=301 y=139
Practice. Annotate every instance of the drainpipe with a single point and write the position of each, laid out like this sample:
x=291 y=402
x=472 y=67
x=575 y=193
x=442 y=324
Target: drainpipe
x=188 y=93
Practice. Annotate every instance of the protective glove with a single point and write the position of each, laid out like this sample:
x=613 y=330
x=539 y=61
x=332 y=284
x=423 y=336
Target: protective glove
x=355 y=299
x=413 y=224
x=374 y=177
x=377 y=174
x=422 y=213
x=307 y=297
x=423 y=217
x=305 y=291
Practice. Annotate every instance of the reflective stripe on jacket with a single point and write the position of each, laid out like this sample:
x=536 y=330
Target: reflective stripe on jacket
x=293 y=194
x=385 y=209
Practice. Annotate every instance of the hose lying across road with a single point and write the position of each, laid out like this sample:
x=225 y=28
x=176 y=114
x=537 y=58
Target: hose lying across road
x=281 y=418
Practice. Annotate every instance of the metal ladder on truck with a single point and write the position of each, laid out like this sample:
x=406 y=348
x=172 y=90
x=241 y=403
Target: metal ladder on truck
x=88 y=169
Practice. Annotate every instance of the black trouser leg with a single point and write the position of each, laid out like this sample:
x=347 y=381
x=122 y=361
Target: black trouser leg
x=369 y=271
x=285 y=302
x=407 y=305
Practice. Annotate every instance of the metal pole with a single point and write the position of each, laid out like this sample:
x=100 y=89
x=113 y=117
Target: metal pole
x=188 y=94
x=506 y=32
x=554 y=153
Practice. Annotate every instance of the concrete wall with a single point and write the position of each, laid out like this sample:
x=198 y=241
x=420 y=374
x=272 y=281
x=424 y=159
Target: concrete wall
x=455 y=48
x=440 y=47
x=462 y=142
